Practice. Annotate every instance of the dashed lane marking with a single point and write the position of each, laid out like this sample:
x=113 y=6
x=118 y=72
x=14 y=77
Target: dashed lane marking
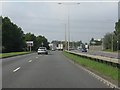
x=30 y=61
x=36 y=57
x=16 y=69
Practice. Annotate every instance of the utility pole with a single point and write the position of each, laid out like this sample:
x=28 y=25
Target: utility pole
x=73 y=44
x=117 y=35
x=112 y=43
x=102 y=43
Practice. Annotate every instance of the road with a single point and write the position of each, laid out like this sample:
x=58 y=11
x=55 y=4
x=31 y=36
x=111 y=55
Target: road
x=45 y=71
x=102 y=53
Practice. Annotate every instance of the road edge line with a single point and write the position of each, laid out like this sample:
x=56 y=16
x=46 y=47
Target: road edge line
x=101 y=79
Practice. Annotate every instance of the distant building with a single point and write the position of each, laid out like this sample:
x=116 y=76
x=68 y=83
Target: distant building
x=52 y=46
x=60 y=47
x=97 y=39
x=96 y=42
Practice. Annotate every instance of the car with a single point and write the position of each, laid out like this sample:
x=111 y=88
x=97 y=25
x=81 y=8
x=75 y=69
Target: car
x=42 y=50
x=83 y=50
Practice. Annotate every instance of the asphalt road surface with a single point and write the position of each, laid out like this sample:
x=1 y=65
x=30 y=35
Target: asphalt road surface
x=45 y=71
x=102 y=53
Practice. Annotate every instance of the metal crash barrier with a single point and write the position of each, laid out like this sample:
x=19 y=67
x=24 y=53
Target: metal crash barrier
x=110 y=61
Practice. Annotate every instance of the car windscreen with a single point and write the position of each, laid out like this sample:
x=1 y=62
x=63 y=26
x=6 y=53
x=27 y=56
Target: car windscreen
x=42 y=48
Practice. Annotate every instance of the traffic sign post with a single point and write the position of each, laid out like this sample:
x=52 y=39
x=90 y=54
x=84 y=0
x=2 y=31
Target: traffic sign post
x=42 y=44
x=29 y=44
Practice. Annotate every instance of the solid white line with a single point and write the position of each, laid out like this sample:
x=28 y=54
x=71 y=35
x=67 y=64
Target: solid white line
x=96 y=76
x=16 y=69
x=30 y=61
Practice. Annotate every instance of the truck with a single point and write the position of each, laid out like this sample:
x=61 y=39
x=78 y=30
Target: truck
x=52 y=46
x=60 y=47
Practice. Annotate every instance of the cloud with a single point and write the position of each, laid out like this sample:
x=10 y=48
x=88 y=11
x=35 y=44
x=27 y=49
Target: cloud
x=48 y=19
x=0 y=8
x=119 y=10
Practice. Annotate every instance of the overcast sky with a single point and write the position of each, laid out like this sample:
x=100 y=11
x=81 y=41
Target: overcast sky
x=86 y=20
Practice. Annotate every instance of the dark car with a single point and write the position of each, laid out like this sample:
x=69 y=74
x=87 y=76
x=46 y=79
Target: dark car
x=83 y=50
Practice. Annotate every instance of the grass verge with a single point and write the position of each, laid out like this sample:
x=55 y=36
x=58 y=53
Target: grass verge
x=109 y=50
x=100 y=68
x=5 y=55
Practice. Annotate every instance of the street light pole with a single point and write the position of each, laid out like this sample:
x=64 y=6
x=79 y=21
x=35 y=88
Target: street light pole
x=68 y=24
x=102 y=43
x=65 y=38
x=68 y=31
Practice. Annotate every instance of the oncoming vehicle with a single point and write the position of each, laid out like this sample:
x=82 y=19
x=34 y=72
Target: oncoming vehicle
x=42 y=50
x=83 y=50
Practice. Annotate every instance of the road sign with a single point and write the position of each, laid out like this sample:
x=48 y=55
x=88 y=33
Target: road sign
x=29 y=43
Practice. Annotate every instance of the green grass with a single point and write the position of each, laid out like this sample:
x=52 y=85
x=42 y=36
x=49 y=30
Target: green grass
x=109 y=50
x=4 y=55
x=101 y=68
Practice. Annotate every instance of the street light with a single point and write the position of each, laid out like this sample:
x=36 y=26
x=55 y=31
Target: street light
x=65 y=39
x=102 y=43
x=65 y=43
x=68 y=22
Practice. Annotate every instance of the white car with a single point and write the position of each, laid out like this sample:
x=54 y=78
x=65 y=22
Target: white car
x=42 y=50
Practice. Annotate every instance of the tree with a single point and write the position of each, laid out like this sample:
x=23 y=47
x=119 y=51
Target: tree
x=14 y=39
x=12 y=36
x=42 y=41
x=107 y=41
x=117 y=33
x=117 y=27
x=112 y=40
x=37 y=41
x=31 y=37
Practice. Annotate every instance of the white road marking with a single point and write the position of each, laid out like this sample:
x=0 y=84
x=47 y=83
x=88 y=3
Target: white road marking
x=30 y=61
x=16 y=69
x=97 y=76
x=36 y=57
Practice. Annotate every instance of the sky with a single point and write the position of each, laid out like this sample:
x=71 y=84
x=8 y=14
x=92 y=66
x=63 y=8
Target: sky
x=119 y=10
x=86 y=20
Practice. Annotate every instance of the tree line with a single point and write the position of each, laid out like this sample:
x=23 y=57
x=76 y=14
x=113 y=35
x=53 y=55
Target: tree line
x=14 y=39
x=111 y=41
